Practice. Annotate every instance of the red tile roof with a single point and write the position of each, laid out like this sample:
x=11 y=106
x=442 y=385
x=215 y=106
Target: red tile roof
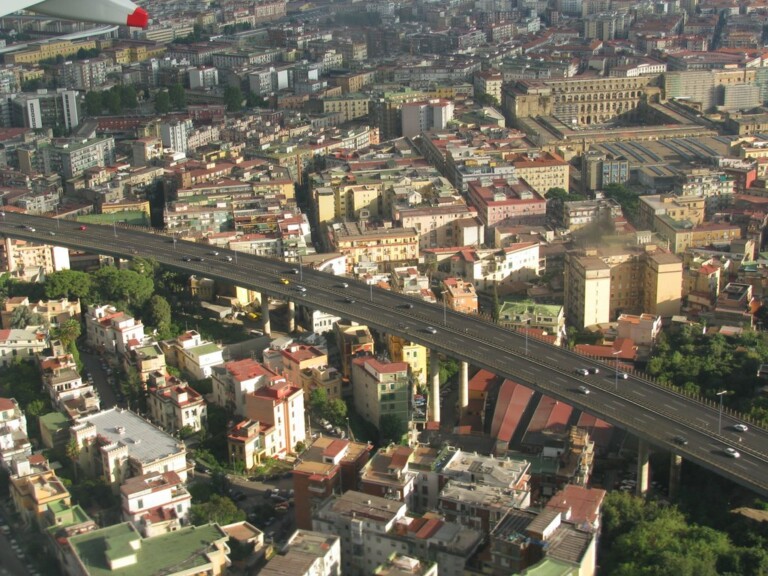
x=512 y=401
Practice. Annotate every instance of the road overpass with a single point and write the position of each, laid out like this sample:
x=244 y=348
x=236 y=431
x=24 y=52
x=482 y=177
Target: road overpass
x=654 y=413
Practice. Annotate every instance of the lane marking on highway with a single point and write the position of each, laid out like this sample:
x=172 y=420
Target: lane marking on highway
x=636 y=391
x=617 y=403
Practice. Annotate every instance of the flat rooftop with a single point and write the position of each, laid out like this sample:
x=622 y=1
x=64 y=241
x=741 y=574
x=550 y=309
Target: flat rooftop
x=146 y=443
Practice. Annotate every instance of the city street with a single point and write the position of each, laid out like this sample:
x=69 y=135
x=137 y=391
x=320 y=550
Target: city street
x=92 y=363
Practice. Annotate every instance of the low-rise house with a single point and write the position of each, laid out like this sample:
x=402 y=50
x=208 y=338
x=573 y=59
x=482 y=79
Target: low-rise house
x=387 y=474
x=249 y=442
x=147 y=358
x=118 y=444
x=120 y=549
x=155 y=503
x=460 y=295
x=174 y=405
x=14 y=442
x=20 y=344
x=191 y=354
x=54 y=312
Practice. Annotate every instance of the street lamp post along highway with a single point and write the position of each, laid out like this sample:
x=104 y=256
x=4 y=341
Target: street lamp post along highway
x=720 y=415
x=616 y=373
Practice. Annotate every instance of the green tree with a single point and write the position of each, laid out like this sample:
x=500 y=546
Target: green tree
x=162 y=102
x=300 y=447
x=178 y=97
x=128 y=97
x=117 y=285
x=253 y=100
x=22 y=316
x=218 y=509
x=144 y=266
x=73 y=453
x=113 y=101
x=391 y=428
x=68 y=332
x=336 y=411
x=69 y=284
x=133 y=388
x=93 y=103
x=318 y=402
x=233 y=98
x=157 y=313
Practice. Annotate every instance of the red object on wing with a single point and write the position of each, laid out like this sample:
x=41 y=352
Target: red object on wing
x=139 y=18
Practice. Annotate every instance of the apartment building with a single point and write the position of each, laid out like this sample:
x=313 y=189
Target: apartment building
x=542 y=170
x=49 y=51
x=174 y=405
x=249 y=442
x=31 y=261
x=601 y=284
x=381 y=389
x=306 y=553
x=34 y=487
x=682 y=208
x=387 y=474
x=387 y=247
x=353 y=340
x=577 y=215
x=507 y=201
x=155 y=503
x=72 y=158
x=147 y=358
x=120 y=547
x=14 y=442
x=683 y=234
x=328 y=466
x=326 y=378
x=235 y=380
x=191 y=354
x=20 y=344
x=549 y=319
x=117 y=444
x=415 y=355
x=299 y=357
x=419 y=117
x=642 y=329
x=281 y=405
x=350 y=106
x=489 y=83
x=442 y=225
x=68 y=392
x=485 y=268
x=108 y=329
x=598 y=170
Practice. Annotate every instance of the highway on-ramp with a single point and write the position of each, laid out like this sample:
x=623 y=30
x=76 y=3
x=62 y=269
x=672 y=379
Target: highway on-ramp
x=653 y=412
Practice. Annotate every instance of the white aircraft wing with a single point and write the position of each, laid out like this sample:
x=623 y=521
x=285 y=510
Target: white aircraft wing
x=123 y=12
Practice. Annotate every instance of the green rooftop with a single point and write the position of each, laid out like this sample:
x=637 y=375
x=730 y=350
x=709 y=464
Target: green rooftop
x=203 y=349
x=133 y=217
x=54 y=421
x=171 y=553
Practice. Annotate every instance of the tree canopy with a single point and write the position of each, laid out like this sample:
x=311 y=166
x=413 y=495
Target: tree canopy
x=218 y=509
x=69 y=284
x=127 y=286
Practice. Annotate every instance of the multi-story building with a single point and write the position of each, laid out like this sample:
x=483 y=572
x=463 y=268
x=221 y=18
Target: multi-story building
x=687 y=208
x=682 y=234
x=642 y=329
x=72 y=158
x=381 y=389
x=280 y=405
x=506 y=201
x=547 y=319
x=66 y=387
x=147 y=358
x=235 y=380
x=453 y=224
x=418 y=117
x=388 y=475
x=460 y=295
x=47 y=110
x=598 y=170
x=191 y=354
x=387 y=247
x=577 y=215
x=34 y=487
x=20 y=345
x=155 y=503
x=583 y=100
x=350 y=106
x=174 y=134
x=489 y=83
x=600 y=284
x=174 y=405
x=415 y=355
x=353 y=340
x=108 y=329
x=328 y=466
x=55 y=312
x=117 y=444
x=307 y=553
x=14 y=442
x=31 y=261
x=485 y=268
x=325 y=378
x=249 y=442
x=542 y=171
x=120 y=547
x=298 y=357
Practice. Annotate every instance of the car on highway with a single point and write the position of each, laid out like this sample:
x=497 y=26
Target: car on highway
x=343 y=285
x=622 y=375
x=430 y=329
x=681 y=440
x=200 y=259
x=300 y=289
x=294 y=270
x=213 y=253
x=583 y=389
x=284 y=281
x=52 y=233
x=228 y=258
x=740 y=427
x=732 y=452
x=83 y=227
x=27 y=228
x=187 y=259
x=582 y=371
x=407 y=306
x=593 y=370
x=349 y=300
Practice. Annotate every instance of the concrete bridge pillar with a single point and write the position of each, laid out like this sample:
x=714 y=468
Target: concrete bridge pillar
x=434 y=391
x=291 y=316
x=643 y=468
x=463 y=388
x=675 y=470
x=265 y=314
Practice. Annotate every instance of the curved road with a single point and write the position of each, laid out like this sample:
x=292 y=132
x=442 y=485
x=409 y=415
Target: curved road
x=652 y=412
